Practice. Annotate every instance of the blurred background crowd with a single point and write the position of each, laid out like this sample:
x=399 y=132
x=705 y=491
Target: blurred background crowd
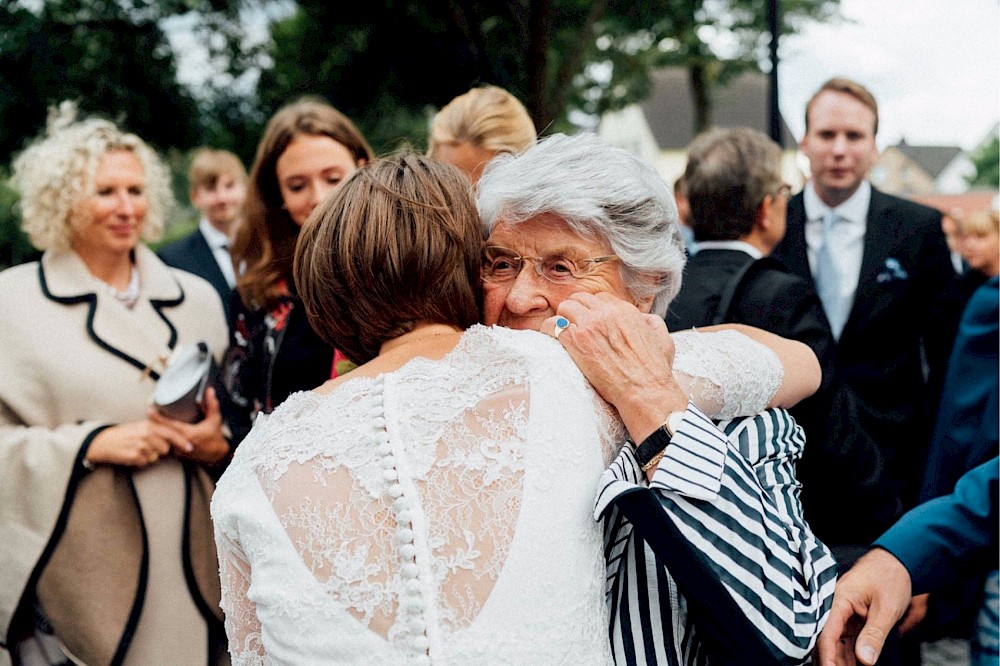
x=115 y=170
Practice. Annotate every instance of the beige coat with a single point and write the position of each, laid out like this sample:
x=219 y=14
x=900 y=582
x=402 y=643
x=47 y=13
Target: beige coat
x=102 y=549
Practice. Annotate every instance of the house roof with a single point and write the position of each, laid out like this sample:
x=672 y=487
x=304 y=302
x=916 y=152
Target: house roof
x=932 y=159
x=743 y=102
x=962 y=204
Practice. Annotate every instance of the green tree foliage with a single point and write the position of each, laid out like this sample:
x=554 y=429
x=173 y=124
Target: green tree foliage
x=233 y=121
x=716 y=40
x=15 y=248
x=386 y=63
x=389 y=64
x=987 y=161
x=112 y=59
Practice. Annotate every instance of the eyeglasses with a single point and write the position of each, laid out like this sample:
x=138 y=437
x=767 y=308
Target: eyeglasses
x=503 y=265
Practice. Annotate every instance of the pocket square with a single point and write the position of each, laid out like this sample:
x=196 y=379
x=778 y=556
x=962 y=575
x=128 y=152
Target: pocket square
x=892 y=270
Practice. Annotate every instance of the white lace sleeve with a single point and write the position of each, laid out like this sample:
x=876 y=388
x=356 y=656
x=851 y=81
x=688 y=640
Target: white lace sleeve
x=242 y=624
x=610 y=428
x=726 y=373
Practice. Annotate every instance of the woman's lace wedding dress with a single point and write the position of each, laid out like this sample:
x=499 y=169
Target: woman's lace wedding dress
x=441 y=513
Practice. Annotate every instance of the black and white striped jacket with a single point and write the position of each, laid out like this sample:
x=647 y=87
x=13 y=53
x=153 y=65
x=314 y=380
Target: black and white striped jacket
x=712 y=562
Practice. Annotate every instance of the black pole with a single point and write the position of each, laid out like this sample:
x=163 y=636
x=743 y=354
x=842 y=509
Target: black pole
x=774 y=113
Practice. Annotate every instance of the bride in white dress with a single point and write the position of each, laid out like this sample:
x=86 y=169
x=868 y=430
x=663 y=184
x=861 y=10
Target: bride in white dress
x=435 y=505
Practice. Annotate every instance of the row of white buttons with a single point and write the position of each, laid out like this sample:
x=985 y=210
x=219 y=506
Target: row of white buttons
x=411 y=606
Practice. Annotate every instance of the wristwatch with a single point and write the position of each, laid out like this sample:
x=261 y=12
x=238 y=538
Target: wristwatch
x=653 y=447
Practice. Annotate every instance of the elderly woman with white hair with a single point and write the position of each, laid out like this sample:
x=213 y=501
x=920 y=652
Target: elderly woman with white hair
x=584 y=244
x=105 y=535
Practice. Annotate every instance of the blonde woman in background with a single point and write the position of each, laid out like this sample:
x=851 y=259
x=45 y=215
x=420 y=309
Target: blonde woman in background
x=980 y=242
x=105 y=536
x=478 y=125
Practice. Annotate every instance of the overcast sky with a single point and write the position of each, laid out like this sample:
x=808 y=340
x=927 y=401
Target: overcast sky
x=933 y=66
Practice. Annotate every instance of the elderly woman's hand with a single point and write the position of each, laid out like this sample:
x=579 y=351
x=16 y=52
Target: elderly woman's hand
x=626 y=355
x=203 y=441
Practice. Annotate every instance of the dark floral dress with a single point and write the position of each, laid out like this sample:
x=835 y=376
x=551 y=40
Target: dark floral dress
x=272 y=354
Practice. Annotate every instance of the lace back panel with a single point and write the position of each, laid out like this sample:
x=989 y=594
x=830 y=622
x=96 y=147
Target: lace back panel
x=408 y=528
x=439 y=514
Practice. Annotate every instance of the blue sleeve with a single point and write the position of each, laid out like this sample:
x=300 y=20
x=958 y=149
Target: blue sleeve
x=944 y=538
x=962 y=438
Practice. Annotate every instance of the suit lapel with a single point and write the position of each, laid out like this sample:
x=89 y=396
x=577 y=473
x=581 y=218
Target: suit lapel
x=880 y=232
x=205 y=258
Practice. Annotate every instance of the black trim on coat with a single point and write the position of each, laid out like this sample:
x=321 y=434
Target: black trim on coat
x=140 y=593
x=91 y=299
x=78 y=472
x=189 y=471
x=158 y=305
x=217 y=640
x=81 y=457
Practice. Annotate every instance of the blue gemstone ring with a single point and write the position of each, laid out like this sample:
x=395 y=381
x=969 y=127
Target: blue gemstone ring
x=561 y=325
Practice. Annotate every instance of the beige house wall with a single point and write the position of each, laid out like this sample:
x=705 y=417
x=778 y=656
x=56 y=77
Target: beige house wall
x=628 y=129
x=896 y=173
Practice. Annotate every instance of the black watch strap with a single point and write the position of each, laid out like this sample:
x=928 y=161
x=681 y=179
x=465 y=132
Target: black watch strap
x=651 y=450
x=653 y=445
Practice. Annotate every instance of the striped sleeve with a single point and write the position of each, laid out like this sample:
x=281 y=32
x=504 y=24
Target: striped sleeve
x=723 y=518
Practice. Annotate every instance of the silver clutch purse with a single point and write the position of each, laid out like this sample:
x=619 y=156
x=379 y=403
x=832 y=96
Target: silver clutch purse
x=181 y=388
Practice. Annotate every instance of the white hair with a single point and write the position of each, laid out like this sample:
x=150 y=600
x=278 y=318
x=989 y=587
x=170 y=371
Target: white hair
x=600 y=192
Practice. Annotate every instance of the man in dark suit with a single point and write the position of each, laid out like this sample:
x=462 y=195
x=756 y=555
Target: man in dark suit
x=217 y=182
x=738 y=203
x=882 y=271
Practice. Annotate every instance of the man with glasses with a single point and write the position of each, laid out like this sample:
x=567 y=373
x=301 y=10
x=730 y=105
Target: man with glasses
x=708 y=557
x=738 y=204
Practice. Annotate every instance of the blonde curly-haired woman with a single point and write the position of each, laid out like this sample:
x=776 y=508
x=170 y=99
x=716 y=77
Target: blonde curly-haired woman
x=105 y=535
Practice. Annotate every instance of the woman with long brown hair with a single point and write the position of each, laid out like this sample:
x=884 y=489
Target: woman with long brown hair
x=307 y=149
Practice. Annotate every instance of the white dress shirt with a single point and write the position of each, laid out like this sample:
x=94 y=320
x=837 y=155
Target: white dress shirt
x=219 y=244
x=731 y=245
x=849 y=241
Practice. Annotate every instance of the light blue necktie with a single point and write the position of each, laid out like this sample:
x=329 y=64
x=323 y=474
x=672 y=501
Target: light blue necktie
x=829 y=277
